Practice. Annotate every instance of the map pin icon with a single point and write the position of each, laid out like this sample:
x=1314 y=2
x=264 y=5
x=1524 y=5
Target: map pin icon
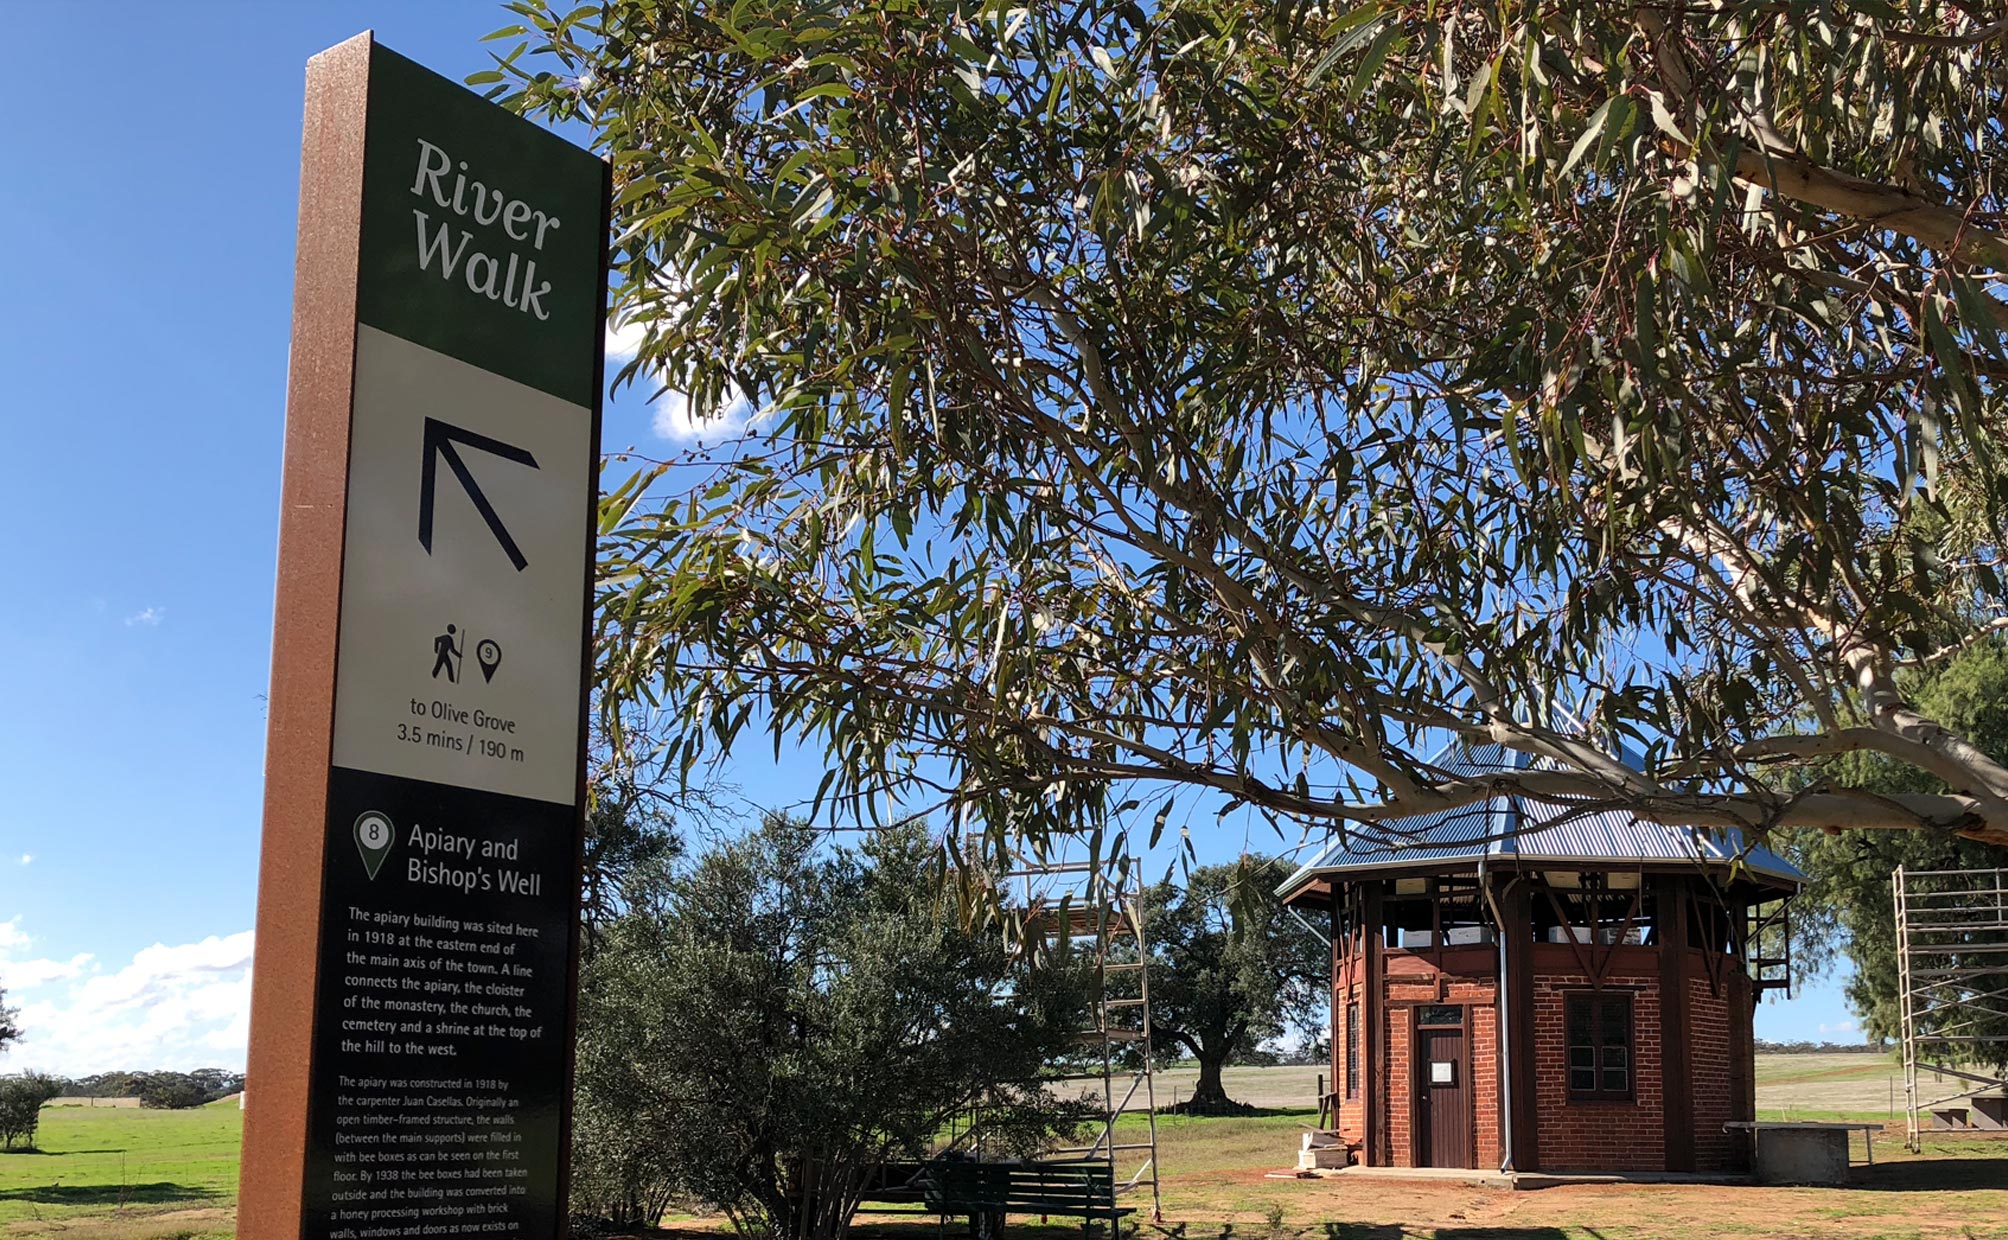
x=374 y=836
x=489 y=655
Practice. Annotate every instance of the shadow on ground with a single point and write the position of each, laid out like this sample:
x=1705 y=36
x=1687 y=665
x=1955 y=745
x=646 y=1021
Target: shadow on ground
x=1933 y=1175
x=1382 y=1230
x=108 y=1194
x=1209 y=1230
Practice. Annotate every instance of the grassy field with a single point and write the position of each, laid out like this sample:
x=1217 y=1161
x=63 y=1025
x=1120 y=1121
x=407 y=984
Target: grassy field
x=1284 y=1088
x=121 y=1174
x=112 y=1174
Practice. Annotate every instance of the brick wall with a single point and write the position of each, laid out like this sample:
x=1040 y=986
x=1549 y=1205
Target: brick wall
x=1465 y=979
x=1400 y=1072
x=1713 y=1048
x=1626 y=1135
x=1484 y=1025
x=1598 y=1135
x=1350 y=1121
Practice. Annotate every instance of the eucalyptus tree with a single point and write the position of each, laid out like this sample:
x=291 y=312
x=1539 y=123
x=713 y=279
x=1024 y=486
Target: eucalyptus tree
x=1112 y=400
x=1846 y=908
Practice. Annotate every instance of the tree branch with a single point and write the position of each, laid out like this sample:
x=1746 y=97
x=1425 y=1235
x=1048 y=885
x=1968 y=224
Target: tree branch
x=1777 y=166
x=1947 y=651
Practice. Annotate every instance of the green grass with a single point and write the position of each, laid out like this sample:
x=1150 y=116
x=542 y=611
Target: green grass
x=107 y=1172
x=1190 y=1145
x=1879 y=1115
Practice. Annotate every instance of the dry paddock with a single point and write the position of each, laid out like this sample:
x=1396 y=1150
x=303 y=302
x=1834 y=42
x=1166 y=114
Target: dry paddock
x=1856 y=1084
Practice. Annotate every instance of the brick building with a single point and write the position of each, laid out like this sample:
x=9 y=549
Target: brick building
x=1537 y=987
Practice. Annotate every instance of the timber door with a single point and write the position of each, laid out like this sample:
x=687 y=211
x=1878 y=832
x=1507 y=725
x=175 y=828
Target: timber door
x=1444 y=1115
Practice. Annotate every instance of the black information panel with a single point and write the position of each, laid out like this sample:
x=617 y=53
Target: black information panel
x=441 y=1013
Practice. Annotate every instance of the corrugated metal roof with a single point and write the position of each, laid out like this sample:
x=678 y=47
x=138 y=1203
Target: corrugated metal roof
x=1525 y=830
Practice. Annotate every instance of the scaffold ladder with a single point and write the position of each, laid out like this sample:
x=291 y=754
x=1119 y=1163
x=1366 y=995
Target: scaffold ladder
x=1952 y=990
x=1070 y=892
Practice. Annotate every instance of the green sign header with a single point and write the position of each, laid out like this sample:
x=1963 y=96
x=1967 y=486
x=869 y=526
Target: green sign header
x=480 y=232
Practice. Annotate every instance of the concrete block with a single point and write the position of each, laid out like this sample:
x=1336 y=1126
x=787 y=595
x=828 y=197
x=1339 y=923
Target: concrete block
x=1802 y=1156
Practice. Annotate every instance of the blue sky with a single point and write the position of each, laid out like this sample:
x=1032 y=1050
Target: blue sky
x=147 y=202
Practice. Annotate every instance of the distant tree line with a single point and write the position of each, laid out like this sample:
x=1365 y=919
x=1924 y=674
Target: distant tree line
x=1819 y=1048
x=23 y=1095
x=161 y=1090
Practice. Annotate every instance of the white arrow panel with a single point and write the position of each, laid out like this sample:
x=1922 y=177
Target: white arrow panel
x=456 y=667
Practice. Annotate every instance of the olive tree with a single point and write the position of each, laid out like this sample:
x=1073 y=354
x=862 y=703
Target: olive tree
x=21 y=1099
x=786 y=1017
x=1236 y=397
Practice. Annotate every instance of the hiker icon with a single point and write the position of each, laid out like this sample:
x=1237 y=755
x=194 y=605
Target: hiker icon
x=446 y=656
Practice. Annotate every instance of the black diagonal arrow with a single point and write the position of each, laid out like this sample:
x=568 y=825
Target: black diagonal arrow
x=439 y=440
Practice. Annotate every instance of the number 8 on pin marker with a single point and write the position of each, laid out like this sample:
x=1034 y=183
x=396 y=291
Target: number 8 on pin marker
x=375 y=833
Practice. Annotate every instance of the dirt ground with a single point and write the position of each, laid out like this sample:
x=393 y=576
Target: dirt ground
x=1959 y=1189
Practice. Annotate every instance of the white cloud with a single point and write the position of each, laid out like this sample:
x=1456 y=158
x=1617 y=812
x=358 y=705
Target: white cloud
x=623 y=339
x=19 y=972
x=672 y=417
x=19 y=975
x=27 y=858
x=148 y=617
x=180 y=1007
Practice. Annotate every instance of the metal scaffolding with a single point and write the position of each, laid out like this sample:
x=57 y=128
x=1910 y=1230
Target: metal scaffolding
x=1952 y=987
x=1066 y=896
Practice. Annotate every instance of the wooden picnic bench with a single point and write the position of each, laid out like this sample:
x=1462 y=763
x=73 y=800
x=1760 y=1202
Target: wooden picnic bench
x=984 y=1192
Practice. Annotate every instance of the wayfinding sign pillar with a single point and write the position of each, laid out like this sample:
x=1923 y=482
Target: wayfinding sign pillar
x=413 y=998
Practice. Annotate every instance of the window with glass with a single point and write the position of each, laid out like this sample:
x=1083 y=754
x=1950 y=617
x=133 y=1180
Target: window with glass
x=1439 y=1014
x=1352 y=1050
x=1600 y=1045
